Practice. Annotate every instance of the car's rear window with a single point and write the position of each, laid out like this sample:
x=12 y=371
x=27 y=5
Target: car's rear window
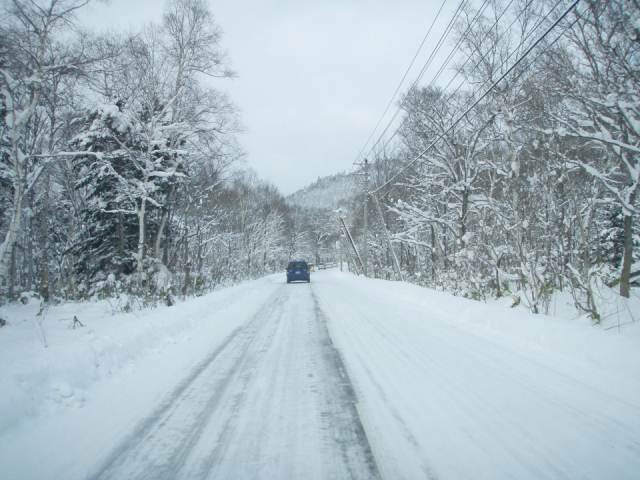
x=297 y=265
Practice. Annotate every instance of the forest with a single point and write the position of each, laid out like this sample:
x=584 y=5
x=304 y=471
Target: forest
x=122 y=169
x=525 y=177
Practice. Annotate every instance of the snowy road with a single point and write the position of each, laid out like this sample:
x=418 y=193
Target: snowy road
x=443 y=399
x=341 y=378
x=273 y=401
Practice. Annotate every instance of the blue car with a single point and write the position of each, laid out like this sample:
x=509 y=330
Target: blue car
x=298 y=271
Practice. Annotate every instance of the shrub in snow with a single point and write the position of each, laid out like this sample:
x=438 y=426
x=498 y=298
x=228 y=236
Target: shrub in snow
x=25 y=297
x=161 y=277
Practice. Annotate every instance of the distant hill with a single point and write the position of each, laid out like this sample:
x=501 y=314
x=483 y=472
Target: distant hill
x=326 y=193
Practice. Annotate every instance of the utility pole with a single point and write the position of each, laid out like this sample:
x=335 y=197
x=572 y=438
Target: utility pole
x=342 y=228
x=396 y=265
x=357 y=260
x=366 y=201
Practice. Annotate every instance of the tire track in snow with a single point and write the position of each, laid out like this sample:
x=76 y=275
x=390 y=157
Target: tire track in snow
x=238 y=341
x=346 y=392
x=309 y=402
x=273 y=400
x=438 y=390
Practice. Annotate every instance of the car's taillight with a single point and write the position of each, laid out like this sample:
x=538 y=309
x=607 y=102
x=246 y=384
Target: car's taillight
x=308 y=271
x=287 y=271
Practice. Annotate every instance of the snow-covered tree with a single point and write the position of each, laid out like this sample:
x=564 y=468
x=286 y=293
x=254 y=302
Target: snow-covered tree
x=596 y=71
x=32 y=62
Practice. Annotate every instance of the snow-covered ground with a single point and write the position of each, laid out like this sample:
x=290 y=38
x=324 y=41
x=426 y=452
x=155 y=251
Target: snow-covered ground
x=345 y=377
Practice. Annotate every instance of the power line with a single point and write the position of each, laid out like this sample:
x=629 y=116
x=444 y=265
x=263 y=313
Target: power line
x=496 y=41
x=529 y=34
x=560 y=35
x=504 y=63
x=403 y=78
x=502 y=77
x=427 y=64
x=522 y=57
x=435 y=50
x=479 y=61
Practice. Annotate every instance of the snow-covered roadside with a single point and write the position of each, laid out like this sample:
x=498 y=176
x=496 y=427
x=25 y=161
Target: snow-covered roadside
x=447 y=387
x=577 y=339
x=455 y=388
x=36 y=381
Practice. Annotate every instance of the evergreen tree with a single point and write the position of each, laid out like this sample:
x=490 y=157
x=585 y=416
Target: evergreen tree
x=108 y=241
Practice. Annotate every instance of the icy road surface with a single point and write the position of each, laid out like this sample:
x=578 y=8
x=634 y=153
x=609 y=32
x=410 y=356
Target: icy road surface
x=341 y=378
x=273 y=401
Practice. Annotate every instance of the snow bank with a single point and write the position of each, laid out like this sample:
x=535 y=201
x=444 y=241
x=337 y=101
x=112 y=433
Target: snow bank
x=572 y=338
x=35 y=380
x=47 y=365
x=455 y=388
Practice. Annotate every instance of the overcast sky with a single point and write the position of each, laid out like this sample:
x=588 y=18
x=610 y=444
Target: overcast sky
x=314 y=76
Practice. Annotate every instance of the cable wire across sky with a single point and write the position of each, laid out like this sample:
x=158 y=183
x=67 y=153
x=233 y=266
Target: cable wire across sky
x=457 y=48
x=522 y=57
x=477 y=64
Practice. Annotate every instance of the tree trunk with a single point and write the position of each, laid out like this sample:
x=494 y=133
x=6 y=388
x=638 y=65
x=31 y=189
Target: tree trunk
x=30 y=262
x=6 y=249
x=43 y=236
x=463 y=216
x=186 y=262
x=17 y=156
x=44 y=286
x=30 y=276
x=627 y=259
x=158 y=253
x=12 y=274
x=141 y=235
x=433 y=254
x=186 y=281
x=120 y=231
x=499 y=292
